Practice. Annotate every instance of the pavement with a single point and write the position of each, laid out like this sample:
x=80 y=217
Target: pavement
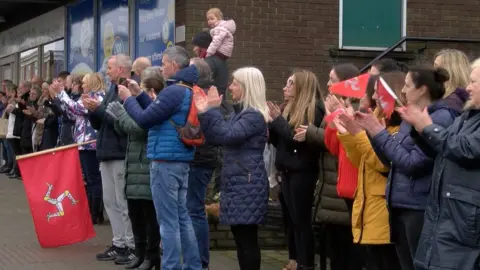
x=19 y=248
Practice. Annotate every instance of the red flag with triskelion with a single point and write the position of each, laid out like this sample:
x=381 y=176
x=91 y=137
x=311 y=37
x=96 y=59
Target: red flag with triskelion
x=386 y=97
x=355 y=87
x=56 y=195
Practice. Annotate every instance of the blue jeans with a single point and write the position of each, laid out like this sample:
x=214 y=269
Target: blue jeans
x=7 y=153
x=198 y=179
x=169 y=183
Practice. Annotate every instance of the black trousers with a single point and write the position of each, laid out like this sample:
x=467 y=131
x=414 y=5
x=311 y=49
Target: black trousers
x=248 y=250
x=17 y=150
x=287 y=220
x=406 y=227
x=91 y=171
x=298 y=189
x=339 y=240
x=381 y=257
x=145 y=228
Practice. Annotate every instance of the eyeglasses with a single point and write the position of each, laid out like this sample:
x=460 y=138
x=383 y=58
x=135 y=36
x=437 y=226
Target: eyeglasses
x=290 y=83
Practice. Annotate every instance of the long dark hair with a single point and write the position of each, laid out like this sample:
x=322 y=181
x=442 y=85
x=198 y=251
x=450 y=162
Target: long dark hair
x=372 y=80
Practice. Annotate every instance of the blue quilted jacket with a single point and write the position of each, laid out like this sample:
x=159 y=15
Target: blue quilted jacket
x=411 y=170
x=244 y=190
x=172 y=103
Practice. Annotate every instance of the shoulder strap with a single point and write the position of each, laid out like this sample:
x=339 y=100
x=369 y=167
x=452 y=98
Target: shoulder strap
x=183 y=84
x=180 y=83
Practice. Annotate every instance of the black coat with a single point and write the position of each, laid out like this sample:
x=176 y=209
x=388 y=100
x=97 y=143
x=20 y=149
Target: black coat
x=219 y=68
x=66 y=124
x=19 y=116
x=292 y=155
x=50 y=129
x=110 y=144
x=329 y=208
x=450 y=237
x=27 y=129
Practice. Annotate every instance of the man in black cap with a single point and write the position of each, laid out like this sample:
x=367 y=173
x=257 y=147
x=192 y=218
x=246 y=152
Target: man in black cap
x=217 y=63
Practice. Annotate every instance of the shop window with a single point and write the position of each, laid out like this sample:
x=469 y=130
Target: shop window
x=53 y=59
x=371 y=24
x=28 y=64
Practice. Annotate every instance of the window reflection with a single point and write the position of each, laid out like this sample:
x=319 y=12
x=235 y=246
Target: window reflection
x=28 y=64
x=53 y=59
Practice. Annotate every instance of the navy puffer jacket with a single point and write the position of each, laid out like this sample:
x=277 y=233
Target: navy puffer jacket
x=411 y=169
x=244 y=190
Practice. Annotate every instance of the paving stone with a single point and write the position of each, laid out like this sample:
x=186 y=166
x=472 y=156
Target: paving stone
x=19 y=249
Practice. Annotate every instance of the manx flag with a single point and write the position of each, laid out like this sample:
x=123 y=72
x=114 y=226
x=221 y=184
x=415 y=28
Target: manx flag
x=355 y=87
x=386 y=97
x=56 y=194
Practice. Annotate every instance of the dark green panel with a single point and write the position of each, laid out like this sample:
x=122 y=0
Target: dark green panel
x=371 y=23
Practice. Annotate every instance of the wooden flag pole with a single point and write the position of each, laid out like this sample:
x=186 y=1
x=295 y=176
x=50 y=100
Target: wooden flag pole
x=53 y=150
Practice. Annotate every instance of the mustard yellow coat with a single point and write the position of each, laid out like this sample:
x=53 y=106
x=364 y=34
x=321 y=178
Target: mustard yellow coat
x=370 y=218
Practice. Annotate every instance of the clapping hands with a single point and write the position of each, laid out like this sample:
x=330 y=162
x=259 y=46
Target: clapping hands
x=300 y=133
x=115 y=109
x=90 y=103
x=370 y=123
x=273 y=110
x=205 y=102
x=415 y=116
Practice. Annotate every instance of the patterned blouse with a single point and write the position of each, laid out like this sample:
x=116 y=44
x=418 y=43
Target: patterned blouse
x=76 y=111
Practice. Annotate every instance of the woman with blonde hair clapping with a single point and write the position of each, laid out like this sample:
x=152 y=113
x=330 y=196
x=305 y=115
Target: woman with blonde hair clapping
x=244 y=192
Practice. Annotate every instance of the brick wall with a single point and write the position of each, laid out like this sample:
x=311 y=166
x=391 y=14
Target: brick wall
x=277 y=35
x=444 y=19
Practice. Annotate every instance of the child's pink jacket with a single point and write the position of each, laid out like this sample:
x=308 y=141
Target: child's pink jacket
x=222 y=38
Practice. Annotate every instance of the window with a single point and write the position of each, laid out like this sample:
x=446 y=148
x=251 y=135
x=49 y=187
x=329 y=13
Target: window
x=371 y=24
x=53 y=59
x=28 y=64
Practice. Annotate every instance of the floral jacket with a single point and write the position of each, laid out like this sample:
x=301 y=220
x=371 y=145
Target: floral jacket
x=75 y=110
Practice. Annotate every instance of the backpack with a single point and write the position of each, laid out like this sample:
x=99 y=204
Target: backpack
x=191 y=134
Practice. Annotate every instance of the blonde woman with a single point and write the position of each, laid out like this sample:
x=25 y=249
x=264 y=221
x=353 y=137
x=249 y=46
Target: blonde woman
x=244 y=191
x=458 y=67
x=298 y=162
x=92 y=85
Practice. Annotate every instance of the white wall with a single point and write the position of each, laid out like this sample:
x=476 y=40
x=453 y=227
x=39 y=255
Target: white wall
x=35 y=32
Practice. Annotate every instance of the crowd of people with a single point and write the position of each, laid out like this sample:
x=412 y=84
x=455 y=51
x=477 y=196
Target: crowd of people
x=394 y=191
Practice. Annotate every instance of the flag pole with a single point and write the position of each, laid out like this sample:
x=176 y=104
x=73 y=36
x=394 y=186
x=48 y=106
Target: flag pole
x=390 y=91
x=53 y=150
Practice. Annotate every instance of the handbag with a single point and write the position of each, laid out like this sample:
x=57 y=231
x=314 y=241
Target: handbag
x=3 y=126
x=269 y=159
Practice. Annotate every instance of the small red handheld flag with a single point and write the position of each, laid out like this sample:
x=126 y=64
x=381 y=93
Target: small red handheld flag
x=329 y=118
x=387 y=97
x=354 y=87
x=57 y=198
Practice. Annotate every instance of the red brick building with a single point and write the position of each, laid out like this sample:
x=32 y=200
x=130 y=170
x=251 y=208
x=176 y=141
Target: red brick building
x=277 y=35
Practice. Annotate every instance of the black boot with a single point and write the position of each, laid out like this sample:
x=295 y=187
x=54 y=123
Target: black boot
x=135 y=263
x=150 y=264
x=11 y=172
x=139 y=258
